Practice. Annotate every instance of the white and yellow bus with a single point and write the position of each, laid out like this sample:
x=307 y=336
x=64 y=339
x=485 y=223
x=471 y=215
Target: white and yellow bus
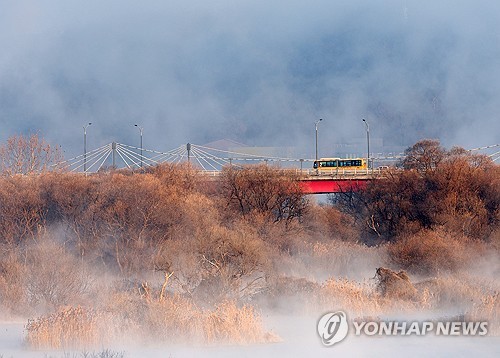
x=334 y=164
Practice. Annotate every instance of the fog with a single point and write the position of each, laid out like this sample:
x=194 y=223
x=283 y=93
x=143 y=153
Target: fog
x=300 y=342
x=257 y=72
x=260 y=73
x=181 y=271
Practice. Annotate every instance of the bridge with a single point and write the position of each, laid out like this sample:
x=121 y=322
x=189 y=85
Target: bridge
x=210 y=161
x=331 y=184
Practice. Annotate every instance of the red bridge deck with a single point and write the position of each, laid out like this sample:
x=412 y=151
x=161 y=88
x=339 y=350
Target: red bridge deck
x=332 y=185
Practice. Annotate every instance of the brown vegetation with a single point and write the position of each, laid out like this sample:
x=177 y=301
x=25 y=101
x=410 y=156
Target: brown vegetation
x=27 y=155
x=263 y=189
x=172 y=320
x=70 y=327
x=395 y=285
x=450 y=190
x=430 y=252
x=169 y=255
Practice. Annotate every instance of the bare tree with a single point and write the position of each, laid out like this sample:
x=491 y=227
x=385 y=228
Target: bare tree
x=264 y=189
x=424 y=155
x=27 y=155
x=453 y=190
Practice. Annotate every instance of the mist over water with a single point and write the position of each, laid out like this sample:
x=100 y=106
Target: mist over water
x=257 y=72
x=261 y=73
x=183 y=270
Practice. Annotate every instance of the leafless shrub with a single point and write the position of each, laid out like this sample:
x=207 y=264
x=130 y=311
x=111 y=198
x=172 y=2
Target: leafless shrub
x=424 y=156
x=196 y=250
x=330 y=223
x=395 y=285
x=27 y=155
x=264 y=189
x=454 y=190
x=429 y=252
x=22 y=209
x=342 y=259
x=178 y=177
x=53 y=277
x=12 y=291
x=232 y=265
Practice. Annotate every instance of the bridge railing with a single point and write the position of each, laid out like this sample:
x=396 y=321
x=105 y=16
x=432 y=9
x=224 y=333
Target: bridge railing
x=210 y=173
x=325 y=173
x=341 y=173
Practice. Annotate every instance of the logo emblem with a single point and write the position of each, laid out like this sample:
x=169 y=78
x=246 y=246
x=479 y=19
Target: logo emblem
x=333 y=328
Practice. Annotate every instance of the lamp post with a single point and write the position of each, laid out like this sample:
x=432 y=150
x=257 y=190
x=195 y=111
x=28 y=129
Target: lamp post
x=140 y=129
x=368 y=144
x=316 y=127
x=85 y=147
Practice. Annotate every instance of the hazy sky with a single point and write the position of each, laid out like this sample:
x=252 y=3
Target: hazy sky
x=259 y=72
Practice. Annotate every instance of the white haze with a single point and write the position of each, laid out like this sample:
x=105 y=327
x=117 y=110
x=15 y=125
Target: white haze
x=259 y=72
x=300 y=340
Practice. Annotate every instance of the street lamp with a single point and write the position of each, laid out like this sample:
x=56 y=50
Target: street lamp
x=368 y=144
x=140 y=129
x=85 y=147
x=316 y=126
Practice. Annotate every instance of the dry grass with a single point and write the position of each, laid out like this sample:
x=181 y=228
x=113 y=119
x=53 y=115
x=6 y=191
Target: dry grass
x=474 y=297
x=344 y=259
x=173 y=319
x=231 y=324
x=356 y=298
x=12 y=292
x=361 y=299
x=222 y=252
x=68 y=328
x=488 y=309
